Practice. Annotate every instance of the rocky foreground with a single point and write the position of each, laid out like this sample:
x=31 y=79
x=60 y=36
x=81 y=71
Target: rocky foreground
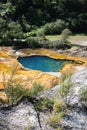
x=24 y=115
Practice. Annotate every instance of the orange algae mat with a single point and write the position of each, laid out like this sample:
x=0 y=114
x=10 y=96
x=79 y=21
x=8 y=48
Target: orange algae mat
x=22 y=75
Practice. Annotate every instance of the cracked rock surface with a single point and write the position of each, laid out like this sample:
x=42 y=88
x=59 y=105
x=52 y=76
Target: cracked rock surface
x=20 y=117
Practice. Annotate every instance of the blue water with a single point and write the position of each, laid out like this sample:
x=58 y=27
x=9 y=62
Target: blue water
x=42 y=63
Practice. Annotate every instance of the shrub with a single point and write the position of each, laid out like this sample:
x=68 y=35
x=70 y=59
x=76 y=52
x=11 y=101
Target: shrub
x=37 y=42
x=48 y=28
x=14 y=92
x=54 y=120
x=59 y=26
x=44 y=104
x=60 y=44
x=83 y=96
x=34 y=91
x=40 y=33
x=66 y=33
x=32 y=42
x=65 y=86
x=30 y=34
x=14 y=31
x=58 y=105
x=54 y=27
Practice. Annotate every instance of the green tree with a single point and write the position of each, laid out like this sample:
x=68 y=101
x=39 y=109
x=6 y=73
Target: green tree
x=14 y=31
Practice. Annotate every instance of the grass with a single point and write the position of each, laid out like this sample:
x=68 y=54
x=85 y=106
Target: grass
x=54 y=120
x=65 y=86
x=83 y=96
x=74 y=39
x=53 y=37
x=58 y=105
x=15 y=91
x=43 y=104
x=78 y=39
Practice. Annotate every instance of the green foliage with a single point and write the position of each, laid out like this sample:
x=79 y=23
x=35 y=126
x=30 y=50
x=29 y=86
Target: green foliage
x=35 y=42
x=30 y=34
x=22 y=18
x=83 y=96
x=54 y=120
x=32 y=42
x=40 y=33
x=65 y=86
x=7 y=10
x=35 y=90
x=14 y=92
x=54 y=27
x=60 y=44
x=58 y=105
x=66 y=33
x=2 y=30
x=25 y=25
x=44 y=104
x=15 y=31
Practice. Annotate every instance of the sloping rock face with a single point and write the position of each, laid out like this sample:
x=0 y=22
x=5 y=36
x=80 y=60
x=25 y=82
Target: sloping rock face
x=24 y=116
x=76 y=118
x=21 y=117
x=76 y=115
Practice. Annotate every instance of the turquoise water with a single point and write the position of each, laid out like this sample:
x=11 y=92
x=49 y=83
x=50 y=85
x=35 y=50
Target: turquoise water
x=42 y=63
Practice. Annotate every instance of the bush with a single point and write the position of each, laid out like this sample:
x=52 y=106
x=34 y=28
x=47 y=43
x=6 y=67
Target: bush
x=44 y=104
x=36 y=42
x=60 y=44
x=14 y=31
x=65 y=86
x=34 y=91
x=30 y=34
x=66 y=33
x=83 y=96
x=48 y=28
x=59 y=25
x=32 y=42
x=58 y=105
x=40 y=33
x=14 y=92
x=54 y=120
x=54 y=27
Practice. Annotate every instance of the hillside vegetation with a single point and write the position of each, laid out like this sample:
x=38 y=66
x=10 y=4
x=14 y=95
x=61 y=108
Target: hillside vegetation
x=22 y=19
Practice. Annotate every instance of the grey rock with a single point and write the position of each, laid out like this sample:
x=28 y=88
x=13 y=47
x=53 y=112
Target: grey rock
x=79 y=80
x=75 y=119
x=21 y=117
x=50 y=94
x=24 y=114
